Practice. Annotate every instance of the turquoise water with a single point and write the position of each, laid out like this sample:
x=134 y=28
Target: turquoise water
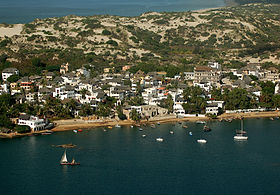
x=19 y=11
x=120 y=161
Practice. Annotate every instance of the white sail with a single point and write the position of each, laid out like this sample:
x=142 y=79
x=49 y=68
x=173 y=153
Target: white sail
x=64 y=158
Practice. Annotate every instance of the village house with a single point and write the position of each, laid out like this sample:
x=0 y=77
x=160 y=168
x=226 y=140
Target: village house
x=206 y=74
x=64 y=68
x=33 y=122
x=214 y=107
x=7 y=72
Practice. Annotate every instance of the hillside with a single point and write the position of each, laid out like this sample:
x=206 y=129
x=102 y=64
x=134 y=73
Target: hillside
x=248 y=33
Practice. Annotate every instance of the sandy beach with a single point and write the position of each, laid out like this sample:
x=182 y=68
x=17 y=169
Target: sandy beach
x=72 y=124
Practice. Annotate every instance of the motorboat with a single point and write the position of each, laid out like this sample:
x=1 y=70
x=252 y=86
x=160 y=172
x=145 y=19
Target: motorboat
x=190 y=133
x=140 y=129
x=171 y=132
x=80 y=130
x=131 y=126
x=159 y=139
x=75 y=131
x=117 y=125
x=200 y=122
x=203 y=141
x=143 y=135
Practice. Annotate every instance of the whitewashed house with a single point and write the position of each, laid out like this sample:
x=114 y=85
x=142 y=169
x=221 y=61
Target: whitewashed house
x=7 y=72
x=33 y=122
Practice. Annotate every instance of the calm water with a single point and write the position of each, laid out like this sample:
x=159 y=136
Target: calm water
x=120 y=161
x=22 y=11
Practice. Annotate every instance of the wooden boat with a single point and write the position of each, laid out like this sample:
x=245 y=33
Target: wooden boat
x=185 y=126
x=80 y=130
x=153 y=126
x=64 y=160
x=206 y=128
x=48 y=132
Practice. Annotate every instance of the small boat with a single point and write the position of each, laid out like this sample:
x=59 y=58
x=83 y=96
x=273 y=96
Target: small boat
x=73 y=162
x=64 y=160
x=131 y=126
x=75 y=131
x=110 y=127
x=180 y=123
x=200 y=122
x=158 y=123
x=241 y=135
x=104 y=129
x=271 y=118
x=80 y=130
x=153 y=126
x=171 y=132
x=190 y=133
x=48 y=132
x=117 y=125
x=203 y=141
x=140 y=129
x=206 y=128
x=159 y=139
x=185 y=126
x=143 y=135
x=137 y=125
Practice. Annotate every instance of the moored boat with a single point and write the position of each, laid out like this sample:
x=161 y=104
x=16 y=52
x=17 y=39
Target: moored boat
x=241 y=134
x=203 y=141
x=200 y=122
x=206 y=128
x=171 y=132
x=117 y=125
x=75 y=131
x=48 y=132
x=190 y=133
x=159 y=139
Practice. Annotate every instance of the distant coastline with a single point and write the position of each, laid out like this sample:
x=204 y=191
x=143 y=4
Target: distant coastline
x=26 y=13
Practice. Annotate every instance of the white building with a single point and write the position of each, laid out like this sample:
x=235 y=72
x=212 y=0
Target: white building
x=213 y=107
x=6 y=73
x=33 y=122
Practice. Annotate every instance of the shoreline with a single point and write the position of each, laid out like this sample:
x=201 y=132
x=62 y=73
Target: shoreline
x=74 y=124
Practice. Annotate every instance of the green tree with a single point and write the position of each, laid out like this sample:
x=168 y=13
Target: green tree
x=167 y=103
x=134 y=115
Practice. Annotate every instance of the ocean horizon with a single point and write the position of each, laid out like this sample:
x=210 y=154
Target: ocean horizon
x=17 y=11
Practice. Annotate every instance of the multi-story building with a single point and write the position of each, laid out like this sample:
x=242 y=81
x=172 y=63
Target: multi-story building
x=206 y=74
x=6 y=73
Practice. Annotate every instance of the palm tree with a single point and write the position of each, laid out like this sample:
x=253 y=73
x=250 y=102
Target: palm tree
x=84 y=92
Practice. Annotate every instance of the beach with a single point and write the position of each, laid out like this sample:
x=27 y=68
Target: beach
x=72 y=124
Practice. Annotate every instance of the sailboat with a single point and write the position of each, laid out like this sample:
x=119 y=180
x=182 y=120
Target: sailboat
x=241 y=134
x=64 y=160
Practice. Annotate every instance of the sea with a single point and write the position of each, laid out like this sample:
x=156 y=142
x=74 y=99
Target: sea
x=121 y=161
x=24 y=11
